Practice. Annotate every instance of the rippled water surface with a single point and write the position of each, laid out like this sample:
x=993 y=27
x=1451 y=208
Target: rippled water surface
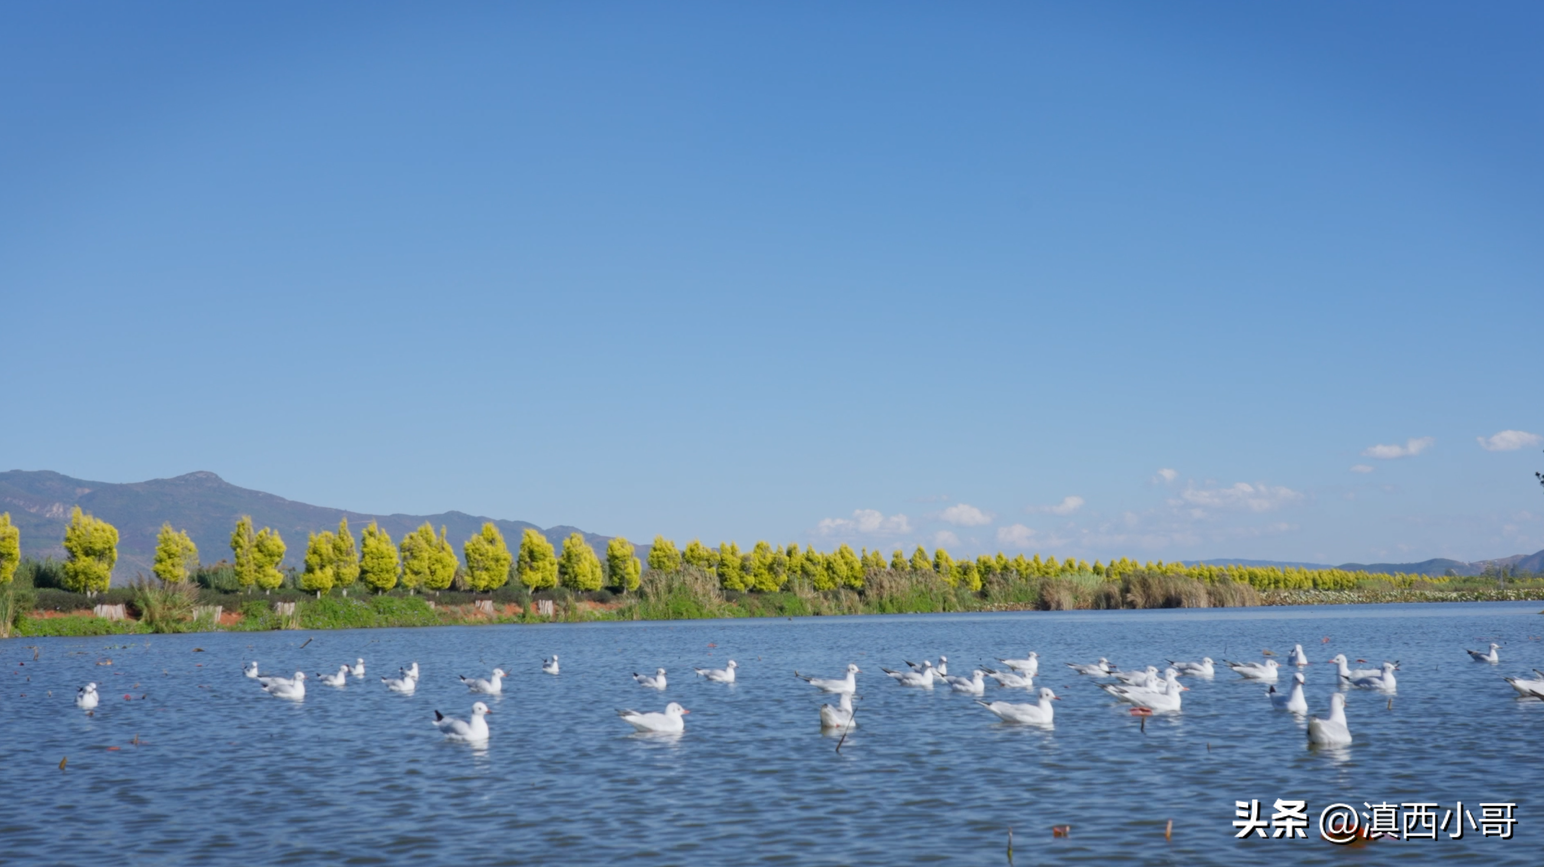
x=225 y=774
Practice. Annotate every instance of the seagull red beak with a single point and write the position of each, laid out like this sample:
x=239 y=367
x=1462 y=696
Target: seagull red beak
x=684 y=710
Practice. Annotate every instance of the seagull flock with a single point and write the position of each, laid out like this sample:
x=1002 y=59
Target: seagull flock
x=1145 y=689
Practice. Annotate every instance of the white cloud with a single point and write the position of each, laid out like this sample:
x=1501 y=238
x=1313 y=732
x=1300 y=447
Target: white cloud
x=962 y=515
x=1165 y=476
x=1015 y=536
x=1241 y=497
x=1067 y=506
x=946 y=539
x=1412 y=447
x=1361 y=468
x=865 y=522
x=1509 y=441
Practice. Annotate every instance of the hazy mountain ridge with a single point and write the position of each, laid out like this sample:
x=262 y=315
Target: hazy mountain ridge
x=207 y=507
x=1437 y=566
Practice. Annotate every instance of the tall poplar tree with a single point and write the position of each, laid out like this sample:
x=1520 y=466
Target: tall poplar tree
x=267 y=553
x=699 y=555
x=578 y=567
x=731 y=570
x=537 y=565
x=763 y=573
x=664 y=557
x=920 y=561
x=623 y=566
x=10 y=548
x=943 y=564
x=377 y=559
x=427 y=561
x=319 y=574
x=243 y=561
x=175 y=555
x=345 y=557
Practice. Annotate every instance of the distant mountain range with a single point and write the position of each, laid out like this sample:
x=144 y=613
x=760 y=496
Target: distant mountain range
x=207 y=507
x=1439 y=566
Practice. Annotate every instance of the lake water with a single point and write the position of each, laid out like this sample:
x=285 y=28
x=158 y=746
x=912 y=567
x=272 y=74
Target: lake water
x=225 y=774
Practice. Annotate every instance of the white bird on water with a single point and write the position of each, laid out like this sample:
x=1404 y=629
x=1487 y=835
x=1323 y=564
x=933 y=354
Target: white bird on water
x=848 y=684
x=1529 y=686
x=1383 y=680
x=339 y=680
x=250 y=669
x=719 y=675
x=468 y=731
x=1293 y=700
x=1204 y=668
x=1146 y=677
x=1262 y=671
x=1029 y=665
x=1097 y=669
x=406 y=684
x=86 y=697
x=656 y=681
x=1297 y=656
x=669 y=722
x=410 y=671
x=839 y=717
x=292 y=688
x=922 y=679
x=1163 y=697
x=939 y=670
x=1332 y=731
x=1492 y=657
x=1040 y=713
x=1011 y=679
x=359 y=667
x=493 y=685
x=550 y=666
x=1348 y=673
x=973 y=685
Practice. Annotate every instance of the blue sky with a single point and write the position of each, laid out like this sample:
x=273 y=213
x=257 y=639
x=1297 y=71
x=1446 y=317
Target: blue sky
x=1088 y=279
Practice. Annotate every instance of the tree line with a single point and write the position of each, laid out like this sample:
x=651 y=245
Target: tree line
x=424 y=560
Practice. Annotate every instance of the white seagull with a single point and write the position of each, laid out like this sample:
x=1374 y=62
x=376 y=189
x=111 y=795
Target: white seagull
x=939 y=670
x=1097 y=669
x=1029 y=665
x=1530 y=686
x=1163 y=697
x=410 y=671
x=359 y=667
x=550 y=666
x=669 y=722
x=405 y=684
x=292 y=688
x=839 y=717
x=973 y=685
x=494 y=685
x=1262 y=671
x=657 y=681
x=1011 y=679
x=250 y=669
x=1204 y=668
x=469 y=731
x=1383 y=680
x=1492 y=657
x=1293 y=701
x=1041 y=713
x=848 y=684
x=922 y=679
x=1146 y=677
x=1331 y=732
x=339 y=680
x=86 y=697
x=1297 y=656
x=1347 y=673
x=719 y=675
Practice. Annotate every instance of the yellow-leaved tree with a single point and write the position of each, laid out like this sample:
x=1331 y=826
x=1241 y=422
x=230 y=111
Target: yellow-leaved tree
x=92 y=547
x=537 y=566
x=578 y=567
x=175 y=555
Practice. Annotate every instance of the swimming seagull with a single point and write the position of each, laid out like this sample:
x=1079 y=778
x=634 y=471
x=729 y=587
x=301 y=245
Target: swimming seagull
x=719 y=675
x=469 y=731
x=339 y=680
x=1029 y=665
x=1383 y=680
x=494 y=685
x=1492 y=657
x=359 y=667
x=839 y=717
x=1097 y=669
x=1297 y=656
x=922 y=679
x=848 y=684
x=550 y=666
x=1348 y=674
x=1204 y=668
x=1146 y=677
x=1529 y=686
x=1263 y=671
x=939 y=670
x=410 y=671
x=657 y=681
x=1163 y=697
x=86 y=697
x=1042 y=713
x=1293 y=701
x=1333 y=731
x=668 y=722
x=250 y=669
x=1010 y=679
x=973 y=685
x=292 y=688
x=405 y=684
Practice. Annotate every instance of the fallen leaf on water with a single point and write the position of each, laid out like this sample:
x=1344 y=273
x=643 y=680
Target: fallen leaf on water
x=62 y=762
x=198 y=650
x=112 y=749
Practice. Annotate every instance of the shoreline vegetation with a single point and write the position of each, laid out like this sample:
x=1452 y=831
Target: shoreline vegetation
x=421 y=582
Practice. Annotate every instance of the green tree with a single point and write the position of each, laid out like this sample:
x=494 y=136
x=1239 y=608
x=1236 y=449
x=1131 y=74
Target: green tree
x=699 y=555
x=816 y=568
x=873 y=560
x=242 y=558
x=763 y=572
x=267 y=553
x=92 y=546
x=794 y=568
x=428 y=561
x=378 y=563
x=538 y=563
x=175 y=555
x=319 y=574
x=943 y=564
x=345 y=557
x=898 y=561
x=578 y=567
x=966 y=573
x=10 y=548
x=731 y=570
x=920 y=562
x=487 y=559
x=848 y=569
x=664 y=557
x=623 y=566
